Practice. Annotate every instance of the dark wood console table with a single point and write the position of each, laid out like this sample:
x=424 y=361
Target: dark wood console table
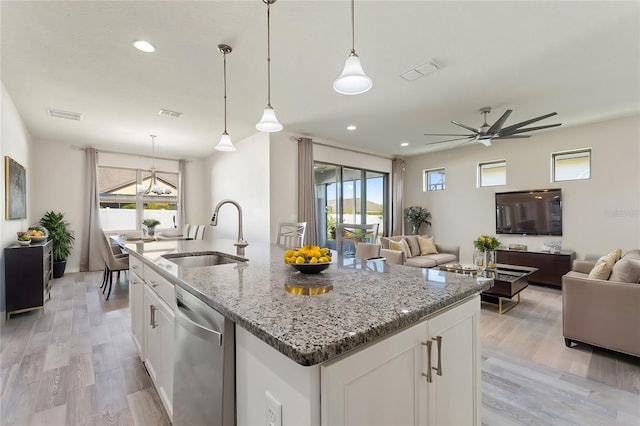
x=551 y=266
x=28 y=273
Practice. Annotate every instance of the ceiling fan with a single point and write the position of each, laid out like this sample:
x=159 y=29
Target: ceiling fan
x=485 y=134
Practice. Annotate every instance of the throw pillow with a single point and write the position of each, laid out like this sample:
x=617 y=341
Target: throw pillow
x=635 y=254
x=407 y=249
x=427 y=246
x=400 y=246
x=412 y=240
x=626 y=270
x=601 y=271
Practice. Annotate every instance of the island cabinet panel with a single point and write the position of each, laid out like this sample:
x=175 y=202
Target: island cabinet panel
x=136 y=304
x=378 y=385
x=386 y=382
x=260 y=369
x=152 y=303
x=160 y=320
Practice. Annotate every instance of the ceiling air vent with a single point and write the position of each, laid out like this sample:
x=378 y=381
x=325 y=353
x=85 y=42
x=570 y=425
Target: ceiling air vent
x=56 y=113
x=170 y=113
x=420 y=71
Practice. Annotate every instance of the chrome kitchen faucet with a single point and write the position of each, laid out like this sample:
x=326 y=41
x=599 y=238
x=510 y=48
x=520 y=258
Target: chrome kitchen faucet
x=241 y=243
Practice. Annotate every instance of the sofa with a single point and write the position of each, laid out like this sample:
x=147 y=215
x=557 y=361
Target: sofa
x=414 y=253
x=601 y=303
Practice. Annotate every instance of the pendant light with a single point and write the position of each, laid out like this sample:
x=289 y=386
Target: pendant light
x=225 y=143
x=353 y=80
x=153 y=182
x=269 y=122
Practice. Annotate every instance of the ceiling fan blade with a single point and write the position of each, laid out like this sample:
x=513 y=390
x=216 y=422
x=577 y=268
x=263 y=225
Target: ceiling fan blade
x=530 y=129
x=495 y=128
x=448 y=140
x=510 y=129
x=512 y=137
x=475 y=131
x=447 y=134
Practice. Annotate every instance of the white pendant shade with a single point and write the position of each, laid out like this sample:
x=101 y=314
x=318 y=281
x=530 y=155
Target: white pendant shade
x=225 y=143
x=353 y=80
x=269 y=122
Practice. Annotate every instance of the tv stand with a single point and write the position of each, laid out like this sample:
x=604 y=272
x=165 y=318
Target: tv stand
x=551 y=266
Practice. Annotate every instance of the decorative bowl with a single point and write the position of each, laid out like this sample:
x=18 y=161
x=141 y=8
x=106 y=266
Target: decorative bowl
x=38 y=239
x=24 y=243
x=310 y=268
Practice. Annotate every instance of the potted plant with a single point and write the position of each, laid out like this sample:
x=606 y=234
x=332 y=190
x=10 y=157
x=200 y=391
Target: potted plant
x=151 y=225
x=62 y=240
x=417 y=215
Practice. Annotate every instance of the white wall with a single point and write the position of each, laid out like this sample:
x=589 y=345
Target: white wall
x=599 y=214
x=283 y=180
x=242 y=176
x=197 y=193
x=16 y=143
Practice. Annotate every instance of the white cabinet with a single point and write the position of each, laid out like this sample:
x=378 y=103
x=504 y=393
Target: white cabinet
x=389 y=382
x=160 y=319
x=136 y=304
x=152 y=303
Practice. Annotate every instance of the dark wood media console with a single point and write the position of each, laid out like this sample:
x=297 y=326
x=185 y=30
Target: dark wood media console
x=551 y=266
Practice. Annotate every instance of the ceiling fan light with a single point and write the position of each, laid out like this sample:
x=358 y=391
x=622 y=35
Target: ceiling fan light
x=269 y=122
x=353 y=80
x=225 y=143
x=485 y=142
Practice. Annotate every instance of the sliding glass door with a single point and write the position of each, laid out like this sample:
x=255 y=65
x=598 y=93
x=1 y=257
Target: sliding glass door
x=349 y=195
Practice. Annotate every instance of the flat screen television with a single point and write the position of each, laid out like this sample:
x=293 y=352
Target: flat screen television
x=537 y=212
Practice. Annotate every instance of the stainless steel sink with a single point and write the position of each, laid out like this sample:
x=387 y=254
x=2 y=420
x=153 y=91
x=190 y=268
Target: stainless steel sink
x=203 y=258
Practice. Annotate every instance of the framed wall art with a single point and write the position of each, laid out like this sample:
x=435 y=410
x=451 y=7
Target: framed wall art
x=15 y=178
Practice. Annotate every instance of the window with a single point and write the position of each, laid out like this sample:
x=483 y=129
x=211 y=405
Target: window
x=571 y=165
x=434 y=180
x=492 y=173
x=123 y=207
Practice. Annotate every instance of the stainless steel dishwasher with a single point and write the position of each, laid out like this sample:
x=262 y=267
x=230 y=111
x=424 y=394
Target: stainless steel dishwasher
x=204 y=364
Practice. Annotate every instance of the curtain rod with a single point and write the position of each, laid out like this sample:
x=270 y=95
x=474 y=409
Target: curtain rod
x=81 y=148
x=344 y=149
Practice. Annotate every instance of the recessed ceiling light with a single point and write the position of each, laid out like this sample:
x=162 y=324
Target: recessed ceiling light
x=404 y=144
x=144 y=46
x=351 y=127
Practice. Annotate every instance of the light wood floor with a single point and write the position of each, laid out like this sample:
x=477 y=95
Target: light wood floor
x=533 y=331
x=77 y=365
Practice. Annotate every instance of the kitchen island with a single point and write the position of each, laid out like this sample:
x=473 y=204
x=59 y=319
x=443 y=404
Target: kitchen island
x=298 y=350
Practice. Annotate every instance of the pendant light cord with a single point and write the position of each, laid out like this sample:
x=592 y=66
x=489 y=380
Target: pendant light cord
x=353 y=27
x=225 y=90
x=268 y=55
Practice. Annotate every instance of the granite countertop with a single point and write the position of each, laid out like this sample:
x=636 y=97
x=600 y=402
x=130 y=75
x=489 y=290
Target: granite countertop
x=368 y=299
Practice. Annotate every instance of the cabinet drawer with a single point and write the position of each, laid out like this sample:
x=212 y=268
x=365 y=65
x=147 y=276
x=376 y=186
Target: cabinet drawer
x=161 y=286
x=136 y=265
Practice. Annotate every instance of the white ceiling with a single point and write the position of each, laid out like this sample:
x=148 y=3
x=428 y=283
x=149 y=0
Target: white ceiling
x=579 y=58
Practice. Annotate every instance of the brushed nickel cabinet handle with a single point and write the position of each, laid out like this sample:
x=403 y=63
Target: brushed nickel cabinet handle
x=134 y=266
x=153 y=283
x=428 y=344
x=152 y=311
x=438 y=369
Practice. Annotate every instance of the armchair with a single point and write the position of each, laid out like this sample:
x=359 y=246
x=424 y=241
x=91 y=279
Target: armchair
x=599 y=312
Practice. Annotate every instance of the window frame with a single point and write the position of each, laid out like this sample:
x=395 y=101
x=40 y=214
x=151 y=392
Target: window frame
x=573 y=153
x=426 y=187
x=495 y=164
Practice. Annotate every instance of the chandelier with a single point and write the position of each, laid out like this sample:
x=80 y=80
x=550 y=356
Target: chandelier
x=153 y=187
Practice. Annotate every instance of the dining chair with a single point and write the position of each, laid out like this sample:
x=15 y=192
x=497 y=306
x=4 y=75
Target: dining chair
x=392 y=256
x=367 y=251
x=291 y=234
x=349 y=234
x=112 y=263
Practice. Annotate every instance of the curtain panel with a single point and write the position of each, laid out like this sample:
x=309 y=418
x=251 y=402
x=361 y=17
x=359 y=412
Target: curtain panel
x=90 y=255
x=307 y=190
x=397 y=175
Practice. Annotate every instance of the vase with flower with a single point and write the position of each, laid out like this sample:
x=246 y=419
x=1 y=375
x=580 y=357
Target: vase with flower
x=417 y=215
x=486 y=246
x=151 y=226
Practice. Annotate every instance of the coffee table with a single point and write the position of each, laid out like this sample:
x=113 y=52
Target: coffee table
x=508 y=281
